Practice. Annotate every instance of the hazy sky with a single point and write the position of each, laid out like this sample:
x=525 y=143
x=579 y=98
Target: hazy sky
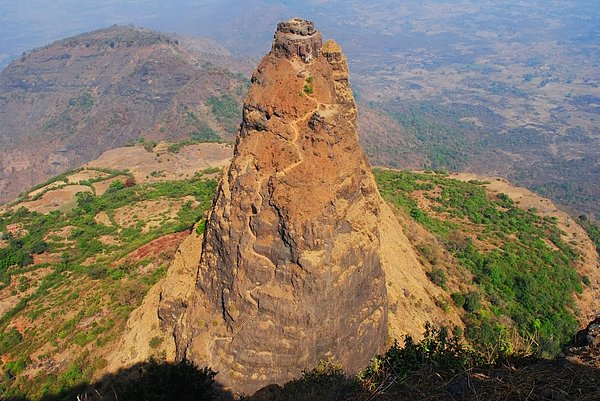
x=246 y=26
x=26 y=24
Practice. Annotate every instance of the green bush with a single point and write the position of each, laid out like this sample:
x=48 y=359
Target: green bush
x=521 y=276
x=13 y=368
x=586 y=280
x=155 y=342
x=327 y=381
x=472 y=301
x=9 y=340
x=438 y=277
x=226 y=110
x=116 y=185
x=438 y=348
x=97 y=272
x=459 y=299
x=488 y=337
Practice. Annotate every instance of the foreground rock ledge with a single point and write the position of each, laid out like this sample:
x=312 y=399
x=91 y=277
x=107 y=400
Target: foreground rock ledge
x=290 y=271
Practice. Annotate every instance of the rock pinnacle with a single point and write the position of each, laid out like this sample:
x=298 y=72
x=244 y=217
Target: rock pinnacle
x=290 y=263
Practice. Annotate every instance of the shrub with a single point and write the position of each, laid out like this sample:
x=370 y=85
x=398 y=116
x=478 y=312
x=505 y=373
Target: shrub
x=201 y=227
x=586 y=280
x=97 y=272
x=472 y=301
x=39 y=247
x=130 y=182
x=327 y=381
x=155 y=342
x=226 y=110
x=438 y=277
x=116 y=185
x=459 y=299
x=13 y=368
x=9 y=340
x=149 y=146
x=437 y=348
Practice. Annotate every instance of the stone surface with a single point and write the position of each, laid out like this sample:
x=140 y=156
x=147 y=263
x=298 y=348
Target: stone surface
x=297 y=38
x=290 y=268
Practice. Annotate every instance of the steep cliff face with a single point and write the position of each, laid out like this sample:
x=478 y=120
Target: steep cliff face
x=290 y=261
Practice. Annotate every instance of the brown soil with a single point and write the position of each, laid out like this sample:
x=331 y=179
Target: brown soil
x=10 y=296
x=152 y=213
x=85 y=175
x=46 y=188
x=145 y=166
x=46 y=258
x=102 y=218
x=160 y=165
x=411 y=295
x=63 y=233
x=56 y=199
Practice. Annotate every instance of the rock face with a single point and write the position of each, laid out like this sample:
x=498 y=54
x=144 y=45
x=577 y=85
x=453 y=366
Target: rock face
x=290 y=264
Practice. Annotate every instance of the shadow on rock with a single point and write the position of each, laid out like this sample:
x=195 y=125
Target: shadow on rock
x=149 y=381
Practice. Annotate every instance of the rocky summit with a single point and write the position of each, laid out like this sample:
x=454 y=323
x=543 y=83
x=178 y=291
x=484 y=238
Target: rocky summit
x=291 y=264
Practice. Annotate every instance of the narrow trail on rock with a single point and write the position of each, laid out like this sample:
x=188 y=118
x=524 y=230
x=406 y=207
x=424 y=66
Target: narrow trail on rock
x=294 y=125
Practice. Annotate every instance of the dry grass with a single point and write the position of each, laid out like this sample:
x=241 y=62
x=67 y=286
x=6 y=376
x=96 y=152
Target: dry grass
x=562 y=379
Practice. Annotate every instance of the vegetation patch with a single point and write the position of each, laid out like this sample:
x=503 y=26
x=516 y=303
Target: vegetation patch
x=308 y=86
x=84 y=300
x=226 y=110
x=525 y=271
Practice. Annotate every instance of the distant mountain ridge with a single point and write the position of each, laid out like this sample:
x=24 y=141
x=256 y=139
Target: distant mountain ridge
x=64 y=104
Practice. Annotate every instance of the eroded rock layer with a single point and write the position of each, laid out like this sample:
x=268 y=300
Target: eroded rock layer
x=290 y=263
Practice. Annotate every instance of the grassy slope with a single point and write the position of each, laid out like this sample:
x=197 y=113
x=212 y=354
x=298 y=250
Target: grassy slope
x=81 y=303
x=523 y=270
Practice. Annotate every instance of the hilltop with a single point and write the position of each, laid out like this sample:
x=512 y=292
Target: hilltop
x=64 y=104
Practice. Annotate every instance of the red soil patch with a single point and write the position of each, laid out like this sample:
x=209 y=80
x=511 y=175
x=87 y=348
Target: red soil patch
x=162 y=245
x=5 y=358
x=21 y=324
x=17 y=230
x=46 y=258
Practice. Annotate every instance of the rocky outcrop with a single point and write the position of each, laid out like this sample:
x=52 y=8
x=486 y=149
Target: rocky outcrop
x=290 y=271
x=297 y=38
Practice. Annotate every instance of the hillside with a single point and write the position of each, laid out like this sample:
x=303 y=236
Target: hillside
x=82 y=282
x=508 y=89
x=64 y=104
x=72 y=275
